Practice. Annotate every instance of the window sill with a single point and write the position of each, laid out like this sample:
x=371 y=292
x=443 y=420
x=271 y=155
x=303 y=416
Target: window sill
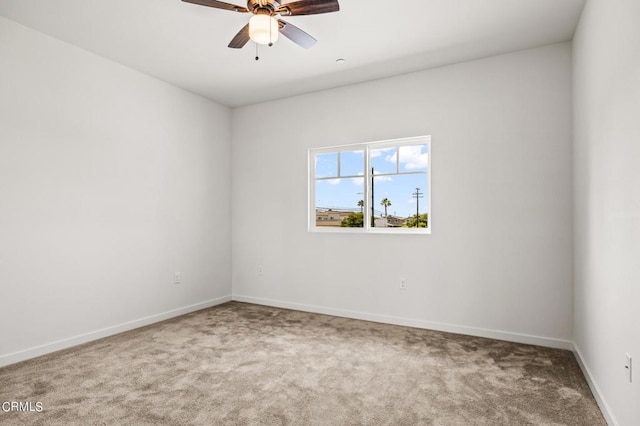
x=394 y=231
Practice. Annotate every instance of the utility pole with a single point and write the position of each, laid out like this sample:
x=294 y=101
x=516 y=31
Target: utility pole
x=373 y=220
x=417 y=195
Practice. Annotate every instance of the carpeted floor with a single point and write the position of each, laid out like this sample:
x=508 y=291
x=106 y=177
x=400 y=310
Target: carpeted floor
x=238 y=364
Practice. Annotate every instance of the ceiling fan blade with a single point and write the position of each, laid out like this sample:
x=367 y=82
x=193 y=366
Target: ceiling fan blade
x=241 y=38
x=295 y=34
x=219 y=5
x=309 y=7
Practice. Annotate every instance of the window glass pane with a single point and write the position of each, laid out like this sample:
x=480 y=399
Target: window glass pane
x=326 y=165
x=390 y=187
x=383 y=160
x=339 y=202
x=398 y=193
x=352 y=163
x=413 y=158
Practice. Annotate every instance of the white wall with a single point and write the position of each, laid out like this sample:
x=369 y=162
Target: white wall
x=607 y=201
x=109 y=181
x=499 y=260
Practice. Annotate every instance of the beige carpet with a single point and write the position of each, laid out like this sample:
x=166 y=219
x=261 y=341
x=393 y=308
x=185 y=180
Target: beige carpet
x=238 y=364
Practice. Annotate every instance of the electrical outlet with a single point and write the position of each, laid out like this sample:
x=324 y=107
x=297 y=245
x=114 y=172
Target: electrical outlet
x=177 y=278
x=629 y=367
x=403 y=284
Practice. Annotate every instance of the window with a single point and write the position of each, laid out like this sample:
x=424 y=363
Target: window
x=381 y=187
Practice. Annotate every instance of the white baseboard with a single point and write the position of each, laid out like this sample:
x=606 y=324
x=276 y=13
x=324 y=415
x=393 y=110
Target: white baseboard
x=387 y=319
x=26 y=354
x=595 y=389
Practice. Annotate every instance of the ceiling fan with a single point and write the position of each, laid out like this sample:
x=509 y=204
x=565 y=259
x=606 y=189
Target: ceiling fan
x=265 y=25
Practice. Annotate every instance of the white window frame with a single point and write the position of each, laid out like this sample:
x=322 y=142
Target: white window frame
x=367 y=147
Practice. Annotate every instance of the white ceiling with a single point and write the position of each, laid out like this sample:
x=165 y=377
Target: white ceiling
x=186 y=44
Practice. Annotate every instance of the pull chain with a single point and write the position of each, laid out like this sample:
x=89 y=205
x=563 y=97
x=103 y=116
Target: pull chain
x=257 y=57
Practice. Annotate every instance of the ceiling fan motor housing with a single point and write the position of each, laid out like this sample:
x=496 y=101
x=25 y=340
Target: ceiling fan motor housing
x=260 y=7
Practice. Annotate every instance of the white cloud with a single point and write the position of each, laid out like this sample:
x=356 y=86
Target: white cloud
x=384 y=178
x=413 y=158
x=374 y=153
x=333 y=181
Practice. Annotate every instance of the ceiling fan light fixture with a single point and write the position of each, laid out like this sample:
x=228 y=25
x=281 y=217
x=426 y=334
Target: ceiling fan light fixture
x=263 y=29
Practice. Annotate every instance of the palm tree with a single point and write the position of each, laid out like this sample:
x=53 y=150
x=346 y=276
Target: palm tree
x=361 y=205
x=386 y=203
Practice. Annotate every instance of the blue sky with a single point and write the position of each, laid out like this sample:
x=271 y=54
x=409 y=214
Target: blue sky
x=344 y=189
